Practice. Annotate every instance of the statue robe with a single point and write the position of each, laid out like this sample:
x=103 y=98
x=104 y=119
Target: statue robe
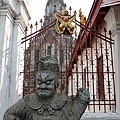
x=60 y=108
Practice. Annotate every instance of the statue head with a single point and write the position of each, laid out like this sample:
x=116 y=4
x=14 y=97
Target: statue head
x=65 y=12
x=47 y=76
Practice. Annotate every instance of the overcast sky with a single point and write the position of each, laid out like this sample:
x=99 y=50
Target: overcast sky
x=38 y=8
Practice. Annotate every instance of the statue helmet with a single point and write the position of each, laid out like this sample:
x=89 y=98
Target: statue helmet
x=65 y=10
x=49 y=64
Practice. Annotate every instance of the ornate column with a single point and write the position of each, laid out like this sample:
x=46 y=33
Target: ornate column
x=12 y=27
x=113 y=24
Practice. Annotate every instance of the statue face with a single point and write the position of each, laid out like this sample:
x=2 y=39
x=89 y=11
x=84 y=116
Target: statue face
x=65 y=13
x=45 y=84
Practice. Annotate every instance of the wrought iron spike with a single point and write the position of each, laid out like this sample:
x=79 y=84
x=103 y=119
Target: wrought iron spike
x=40 y=20
x=36 y=23
x=70 y=8
x=31 y=26
x=26 y=29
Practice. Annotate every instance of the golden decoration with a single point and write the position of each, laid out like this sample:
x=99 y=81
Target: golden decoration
x=82 y=17
x=64 y=23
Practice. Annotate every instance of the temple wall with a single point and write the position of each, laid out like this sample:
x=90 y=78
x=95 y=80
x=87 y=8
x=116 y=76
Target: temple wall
x=14 y=17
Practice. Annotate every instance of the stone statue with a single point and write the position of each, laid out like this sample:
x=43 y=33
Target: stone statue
x=46 y=103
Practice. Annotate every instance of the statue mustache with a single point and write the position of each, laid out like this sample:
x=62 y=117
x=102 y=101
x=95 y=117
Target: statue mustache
x=43 y=88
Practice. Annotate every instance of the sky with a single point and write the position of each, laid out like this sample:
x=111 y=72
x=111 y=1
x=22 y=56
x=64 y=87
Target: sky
x=37 y=8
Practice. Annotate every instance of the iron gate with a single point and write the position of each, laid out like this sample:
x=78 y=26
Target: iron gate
x=92 y=67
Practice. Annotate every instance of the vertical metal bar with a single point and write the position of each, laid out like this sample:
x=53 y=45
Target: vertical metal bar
x=60 y=9
x=24 y=70
x=55 y=47
x=87 y=72
x=26 y=29
x=86 y=54
x=41 y=44
x=86 y=61
x=82 y=69
x=96 y=52
x=50 y=48
x=112 y=69
x=91 y=51
x=36 y=24
x=30 y=52
x=77 y=72
x=66 y=65
x=29 y=68
x=72 y=86
x=107 y=68
x=35 y=62
x=101 y=49
x=70 y=53
x=45 y=41
x=62 y=73
x=34 y=59
x=71 y=46
x=70 y=10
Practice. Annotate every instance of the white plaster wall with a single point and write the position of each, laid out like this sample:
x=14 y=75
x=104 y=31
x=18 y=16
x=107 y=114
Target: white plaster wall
x=117 y=70
x=16 y=5
x=113 y=23
x=5 y=65
x=2 y=29
x=12 y=27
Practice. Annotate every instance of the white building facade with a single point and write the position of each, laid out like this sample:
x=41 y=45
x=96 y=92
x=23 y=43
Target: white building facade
x=14 y=17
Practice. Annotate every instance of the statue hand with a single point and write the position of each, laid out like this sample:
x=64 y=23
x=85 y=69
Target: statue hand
x=84 y=95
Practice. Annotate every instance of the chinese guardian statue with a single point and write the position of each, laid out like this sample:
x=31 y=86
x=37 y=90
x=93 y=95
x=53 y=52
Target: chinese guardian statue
x=46 y=103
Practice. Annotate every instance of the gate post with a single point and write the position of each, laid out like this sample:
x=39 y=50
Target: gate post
x=113 y=23
x=117 y=68
x=116 y=37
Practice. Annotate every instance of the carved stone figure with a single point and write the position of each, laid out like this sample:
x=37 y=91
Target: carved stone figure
x=64 y=22
x=46 y=103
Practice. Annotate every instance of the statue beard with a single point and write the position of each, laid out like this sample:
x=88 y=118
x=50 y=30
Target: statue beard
x=45 y=94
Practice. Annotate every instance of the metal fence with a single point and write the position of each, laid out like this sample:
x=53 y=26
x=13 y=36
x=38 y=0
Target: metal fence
x=92 y=68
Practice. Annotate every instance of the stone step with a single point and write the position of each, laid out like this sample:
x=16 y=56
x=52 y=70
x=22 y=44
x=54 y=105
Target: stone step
x=100 y=116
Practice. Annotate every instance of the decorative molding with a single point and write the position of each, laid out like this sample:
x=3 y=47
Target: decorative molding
x=26 y=10
x=117 y=13
x=6 y=10
x=113 y=19
x=21 y=17
x=20 y=21
x=110 y=19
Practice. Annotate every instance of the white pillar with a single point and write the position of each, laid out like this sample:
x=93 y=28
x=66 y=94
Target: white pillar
x=12 y=25
x=116 y=37
x=2 y=29
x=113 y=23
x=6 y=30
x=117 y=68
